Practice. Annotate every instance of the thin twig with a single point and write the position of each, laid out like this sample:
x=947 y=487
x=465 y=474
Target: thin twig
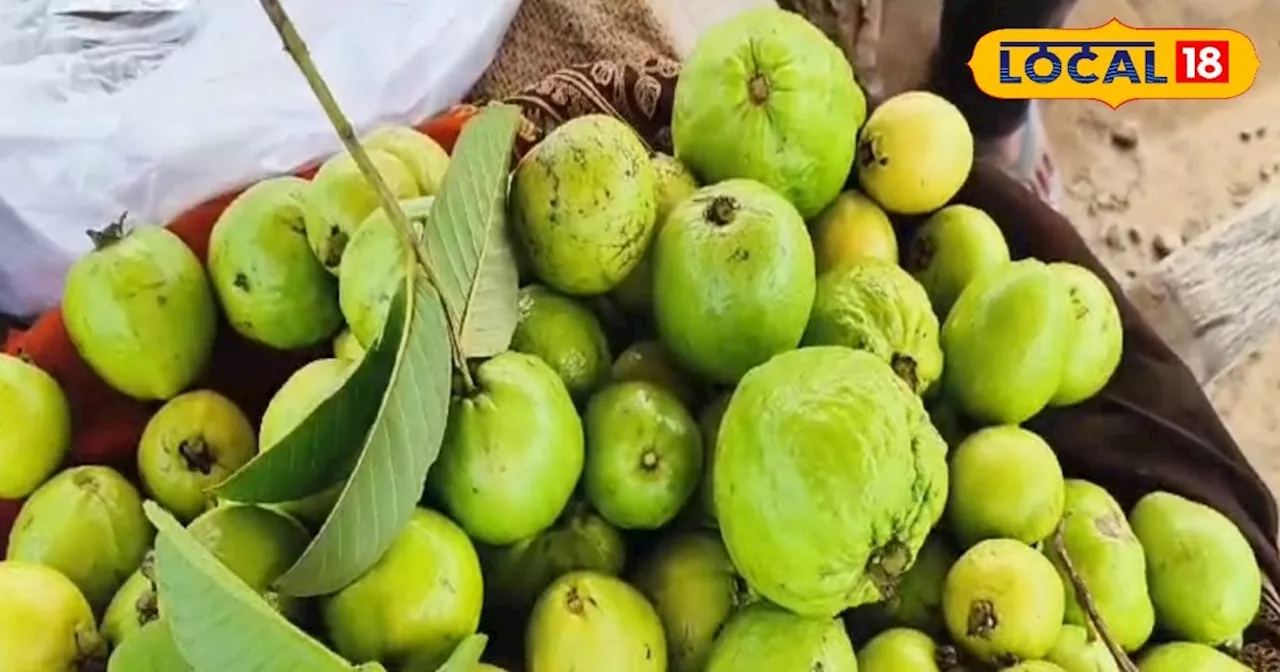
x=297 y=50
x=1085 y=599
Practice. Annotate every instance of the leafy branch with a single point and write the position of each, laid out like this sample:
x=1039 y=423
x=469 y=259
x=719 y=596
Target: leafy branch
x=1087 y=605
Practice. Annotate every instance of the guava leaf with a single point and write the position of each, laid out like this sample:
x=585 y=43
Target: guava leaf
x=466 y=656
x=389 y=475
x=150 y=649
x=466 y=238
x=218 y=622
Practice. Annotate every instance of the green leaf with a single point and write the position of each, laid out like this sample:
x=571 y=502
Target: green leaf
x=467 y=243
x=466 y=656
x=218 y=622
x=150 y=649
x=389 y=476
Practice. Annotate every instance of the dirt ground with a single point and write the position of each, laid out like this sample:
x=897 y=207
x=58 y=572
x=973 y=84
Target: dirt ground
x=1142 y=180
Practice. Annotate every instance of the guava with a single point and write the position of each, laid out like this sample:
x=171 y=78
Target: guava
x=1185 y=656
x=413 y=607
x=1109 y=560
x=372 y=269
x=139 y=311
x=1079 y=650
x=914 y=153
x=695 y=589
x=512 y=453
x=87 y=523
x=426 y=160
x=272 y=288
x=1097 y=336
x=583 y=203
x=875 y=306
x=1005 y=343
x=651 y=362
x=591 y=621
x=709 y=424
x=733 y=279
x=952 y=247
x=1201 y=572
x=644 y=455
x=257 y=544
x=45 y=623
x=766 y=96
x=674 y=183
x=764 y=638
x=193 y=443
x=1034 y=666
x=853 y=228
x=1003 y=602
x=1005 y=483
x=346 y=199
x=37 y=427
x=916 y=602
x=345 y=346
x=132 y=607
x=565 y=335
x=903 y=650
x=516 y=575
x=784 y=478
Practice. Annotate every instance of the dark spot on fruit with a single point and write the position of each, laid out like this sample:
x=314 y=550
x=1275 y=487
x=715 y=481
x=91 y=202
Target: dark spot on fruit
x=241 y=282
x=887 y=564
x=147 y=607
x=573 y=602
x=982 y=619
x=298 y=225
x=905 y=367
x=197 y=456
x=1004 y=660
x=721 y=210
x=921 y=253
x=85 y=480
x=162 y=300
x=947 y=657
x=648 y=653
x=740 y=254
x=1111 y=525
x=818 y=666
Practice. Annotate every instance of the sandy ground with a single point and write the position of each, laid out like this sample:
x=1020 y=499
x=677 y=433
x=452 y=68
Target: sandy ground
x=1143 y=180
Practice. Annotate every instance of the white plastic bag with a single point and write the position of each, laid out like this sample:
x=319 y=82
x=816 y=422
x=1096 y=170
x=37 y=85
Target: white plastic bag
x=190 y=98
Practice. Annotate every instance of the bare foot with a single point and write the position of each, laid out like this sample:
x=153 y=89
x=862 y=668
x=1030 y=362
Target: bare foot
x=1026 y=156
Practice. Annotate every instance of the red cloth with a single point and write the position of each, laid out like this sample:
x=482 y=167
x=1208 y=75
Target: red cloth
x=108 y=424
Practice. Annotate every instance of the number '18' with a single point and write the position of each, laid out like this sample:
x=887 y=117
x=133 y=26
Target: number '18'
x=1201 y=63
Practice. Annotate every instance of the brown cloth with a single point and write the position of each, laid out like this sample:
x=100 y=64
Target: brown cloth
x=1151 y=428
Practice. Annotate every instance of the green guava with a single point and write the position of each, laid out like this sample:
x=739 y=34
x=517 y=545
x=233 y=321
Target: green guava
x=644 y=455
x=257 y=544
x=853 y=228
x=903 y=650
x=512 y=452
x=1203 y=578
x=1186 y=656
x=372 y=269
x=709 y=424
x=914 y=153
x=591 y=621
x=674 y=183
x=1003 y=602
x=346 y=200
x=1097 y=336
x=1034 y=666
x=764 y=638
x=426 y=160
x=139 y=311
x=583 y=203
x=272 y=288
x=1005 y=483
x=37 y=427
x=87 y=523
x=565 y=335
x=193 y=443
x=695 y=589
x=766 y=96
x=1078 y=650
x=1005 y=342
x=1109 y=560
x=783 y=479
x=875 y=306
x=916 y=602
x=132 y=607
x=413 y=607
x=951 y=248
x=651 y=362
x=345 y=346
x=45 y=623
x=733 y=279
x=516 y=575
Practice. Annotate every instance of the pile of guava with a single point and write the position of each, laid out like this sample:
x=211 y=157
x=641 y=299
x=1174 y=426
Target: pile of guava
x=762 y=410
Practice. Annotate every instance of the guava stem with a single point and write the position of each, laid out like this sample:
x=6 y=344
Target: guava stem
x=110 y=234
x=195 y=452
x=1087 y=605
x=721 y=211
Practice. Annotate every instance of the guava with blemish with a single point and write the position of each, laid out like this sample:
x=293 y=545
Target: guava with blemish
x=46 y=625
x=139 y=311
x=876 y=306
x=37 y=427
x=1097 y=336
x=583 y=205
x=950 y=249
x=566 y=335
x=372 y=269
x=674 y=183
x=764 y=638
x=345 y=200
x=132 y=607
x=86 y=522
x=914 y=153
x=592 y=621
x=271 y=287
x=903 y=649
x=851 y=526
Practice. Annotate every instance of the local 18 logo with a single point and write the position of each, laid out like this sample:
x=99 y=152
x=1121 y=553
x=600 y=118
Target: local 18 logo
x=1114 y=63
